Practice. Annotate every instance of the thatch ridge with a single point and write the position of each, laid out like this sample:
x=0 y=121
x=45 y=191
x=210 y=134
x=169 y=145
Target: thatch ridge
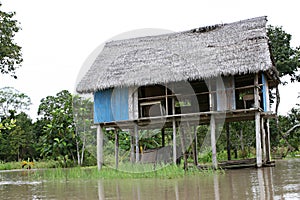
x=223 y=49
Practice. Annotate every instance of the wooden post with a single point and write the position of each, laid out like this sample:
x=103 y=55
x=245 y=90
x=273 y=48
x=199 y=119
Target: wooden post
x=167 y=106
x=257 y=123
x=212 y=127
x=268 y=143
x=213 y=141
x=99 y=146
x=131 y=146
x=228 y=141
x=195 y=152
x=137 y=148
x=263 y=135
x=211 y=96
x=174 y=142
x=183 y=147
x=117 y=148
x=174 y=129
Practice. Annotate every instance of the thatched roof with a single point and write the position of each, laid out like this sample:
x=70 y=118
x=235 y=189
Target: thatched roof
x=223 y=49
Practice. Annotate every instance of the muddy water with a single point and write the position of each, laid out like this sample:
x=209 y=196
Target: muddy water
x=280 y=182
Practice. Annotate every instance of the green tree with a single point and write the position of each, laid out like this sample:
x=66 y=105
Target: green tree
x=10 y=52
x=17 y=142
x=58 y=135
x=287 y=61
x=85 y=134
x=13 y=100
x=286 y=58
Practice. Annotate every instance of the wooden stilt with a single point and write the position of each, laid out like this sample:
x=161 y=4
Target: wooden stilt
x=263 y=135
x=99 y=147
x=190 y=133
x=174 y=130
x=183 y=147
x=268 y=144
x=257 y=123
x=228 y=142
x=137 y=147
x=131 y=147
x=213 y=141
x=117 y=148
x=195 y=146
x=174 y=142
x=258 y=140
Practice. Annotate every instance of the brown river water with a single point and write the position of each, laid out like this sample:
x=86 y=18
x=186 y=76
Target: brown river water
x=280 y=182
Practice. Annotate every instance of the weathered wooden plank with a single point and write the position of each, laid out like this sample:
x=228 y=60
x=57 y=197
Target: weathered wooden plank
x=195 y=146
x=213 y=141
x=137 y=147
x=174 y=141
x=257 y=124
x=263 y=135
x=100 y=136
x=268 y=143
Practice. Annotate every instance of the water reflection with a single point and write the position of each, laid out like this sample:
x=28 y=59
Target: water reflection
x=281 y=182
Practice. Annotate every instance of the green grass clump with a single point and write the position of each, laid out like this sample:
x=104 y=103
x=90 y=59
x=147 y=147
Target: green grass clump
x=35 y=165
x=141 y=171
x=9 y=165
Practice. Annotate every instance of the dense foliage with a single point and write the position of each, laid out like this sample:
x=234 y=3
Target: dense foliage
x=286 y=58
x=10 y=52
x=62 y=132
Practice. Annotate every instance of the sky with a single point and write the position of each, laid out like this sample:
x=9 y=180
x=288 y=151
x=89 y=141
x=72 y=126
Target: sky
x=58 y=36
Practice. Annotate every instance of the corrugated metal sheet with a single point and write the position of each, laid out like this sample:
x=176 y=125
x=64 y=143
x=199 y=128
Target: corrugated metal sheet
x=111 y=105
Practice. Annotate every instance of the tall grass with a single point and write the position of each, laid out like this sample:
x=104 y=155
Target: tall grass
x=37 y=165
x=9 y=165
x=141 y=171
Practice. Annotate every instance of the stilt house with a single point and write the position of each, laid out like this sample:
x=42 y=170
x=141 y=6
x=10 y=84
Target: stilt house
x=201 y=76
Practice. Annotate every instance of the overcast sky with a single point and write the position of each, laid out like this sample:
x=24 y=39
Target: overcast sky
x=57 y=36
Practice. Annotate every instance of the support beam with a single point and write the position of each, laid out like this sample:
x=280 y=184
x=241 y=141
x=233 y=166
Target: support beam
x=117 y=148
x=258 y=140
x=174 y=142
x=268 y=143
x=166 y=99
x=100 y=136
x=213 y=141
x=257 y=123
x=182 y=133
x=263 y=135
x=137 y=147
x=174 y=129
x=195 y=146
x=131 y=146
x=228 y=141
